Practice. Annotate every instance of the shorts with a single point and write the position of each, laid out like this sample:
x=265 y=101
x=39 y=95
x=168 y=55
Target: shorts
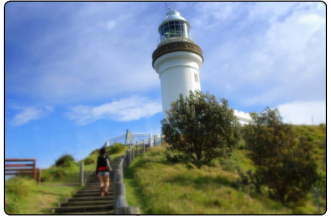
x=103 y=173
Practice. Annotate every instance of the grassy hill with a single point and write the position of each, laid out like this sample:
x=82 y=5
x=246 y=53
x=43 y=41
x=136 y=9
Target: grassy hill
x=158 y=186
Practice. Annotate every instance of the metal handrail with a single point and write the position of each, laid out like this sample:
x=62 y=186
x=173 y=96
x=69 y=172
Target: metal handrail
x=142 y=142
x=120 y=204
x=25 y=168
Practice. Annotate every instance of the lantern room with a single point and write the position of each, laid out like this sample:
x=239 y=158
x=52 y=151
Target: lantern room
x=174 y=28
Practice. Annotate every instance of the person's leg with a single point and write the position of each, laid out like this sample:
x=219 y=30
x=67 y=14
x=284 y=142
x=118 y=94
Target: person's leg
x=106 y=183
x=100 y=174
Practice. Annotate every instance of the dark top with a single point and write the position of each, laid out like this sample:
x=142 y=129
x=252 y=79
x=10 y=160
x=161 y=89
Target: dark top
x=102 y=164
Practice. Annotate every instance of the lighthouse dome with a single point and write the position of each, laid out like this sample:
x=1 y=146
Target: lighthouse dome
x=174 y=15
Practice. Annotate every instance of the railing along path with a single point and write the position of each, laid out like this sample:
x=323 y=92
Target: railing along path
x=22 y=168
x=120 y=204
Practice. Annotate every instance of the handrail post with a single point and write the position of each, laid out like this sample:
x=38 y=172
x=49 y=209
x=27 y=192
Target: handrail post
x=39 y=174
x=127 y=159
x=132 y=153
x=137 y=148
x=34 y=169
x=143 y=146
x=81 y=174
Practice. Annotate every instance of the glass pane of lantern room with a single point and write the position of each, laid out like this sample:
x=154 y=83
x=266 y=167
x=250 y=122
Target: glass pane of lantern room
x=185 y=32
x=172 y=30
x=162 y=31
x=166 y=32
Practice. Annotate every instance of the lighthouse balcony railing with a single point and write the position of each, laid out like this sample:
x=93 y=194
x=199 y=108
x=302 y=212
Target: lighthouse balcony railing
x=169 y=39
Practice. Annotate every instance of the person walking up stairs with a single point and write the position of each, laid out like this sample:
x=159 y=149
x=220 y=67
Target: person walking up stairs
x=90 y=199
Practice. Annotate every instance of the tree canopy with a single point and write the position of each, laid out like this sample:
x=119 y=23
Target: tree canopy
x=201 y=127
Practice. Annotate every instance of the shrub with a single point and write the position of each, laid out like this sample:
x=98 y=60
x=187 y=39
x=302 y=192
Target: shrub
x=201 y=128
x=20 y=186
x=10 y=206
x=65 y=161
x=285 y=162
x=227 y=164
x=310 y=138
x=175 y=156
x=116 y=148
x=95 y=152
x=59 y=173
x=241 y=146
x=214 y=163
x=90 y=160
x=191 y=166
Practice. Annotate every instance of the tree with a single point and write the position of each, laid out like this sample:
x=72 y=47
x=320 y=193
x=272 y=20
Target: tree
x=284 y=161
x=200 y=127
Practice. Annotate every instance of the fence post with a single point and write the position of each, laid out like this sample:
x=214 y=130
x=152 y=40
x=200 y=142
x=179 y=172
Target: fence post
x=318 y=203
x=132 y=153
x=81 y=174
x=39 y=174
x=127 y=159
x=137 y=150
x=34 y=169
x=143 y=146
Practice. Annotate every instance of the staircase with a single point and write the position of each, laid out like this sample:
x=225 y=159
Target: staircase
x=89 y=201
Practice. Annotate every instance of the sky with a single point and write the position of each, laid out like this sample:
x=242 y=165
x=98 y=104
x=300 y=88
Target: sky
x=79 y=73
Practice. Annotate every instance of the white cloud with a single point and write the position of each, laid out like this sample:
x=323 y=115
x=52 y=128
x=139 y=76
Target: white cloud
x=110 y=24
x=302 y=112
x=274 y=51
x=128 y=109
x=29 y=114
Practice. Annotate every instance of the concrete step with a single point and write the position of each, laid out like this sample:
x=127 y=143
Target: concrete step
x=93 y=190
x=91 y=208
x=97 y=180
x=97 y=183
x=97 y=187
x=94 y=213
x=90 y=198
x=86 y=203
x=91 y=194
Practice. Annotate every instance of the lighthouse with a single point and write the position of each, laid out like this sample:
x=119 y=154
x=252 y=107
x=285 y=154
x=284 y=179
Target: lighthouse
x=177 y=59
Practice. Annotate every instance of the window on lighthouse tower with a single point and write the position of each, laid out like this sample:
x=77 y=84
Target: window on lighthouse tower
x=196 y=78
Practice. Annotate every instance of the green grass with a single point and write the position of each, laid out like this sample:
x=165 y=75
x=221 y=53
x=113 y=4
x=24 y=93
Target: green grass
x=24 y=196
x=157 y=186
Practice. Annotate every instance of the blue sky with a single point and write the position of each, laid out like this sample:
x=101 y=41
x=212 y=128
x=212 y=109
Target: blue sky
x=79 y=73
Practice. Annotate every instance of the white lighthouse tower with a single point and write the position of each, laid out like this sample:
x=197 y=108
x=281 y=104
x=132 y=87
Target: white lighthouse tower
x=177 y=59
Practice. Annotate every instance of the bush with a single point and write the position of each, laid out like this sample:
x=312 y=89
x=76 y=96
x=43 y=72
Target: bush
x=175 y=157
x=95 y=152
x=285 y=162
x=90 y=160
x=201 y=128
x=192 y=166
x=10 y=206
x=20 y=186
x=116 y=148
x=65 y=161
x=227 y=164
